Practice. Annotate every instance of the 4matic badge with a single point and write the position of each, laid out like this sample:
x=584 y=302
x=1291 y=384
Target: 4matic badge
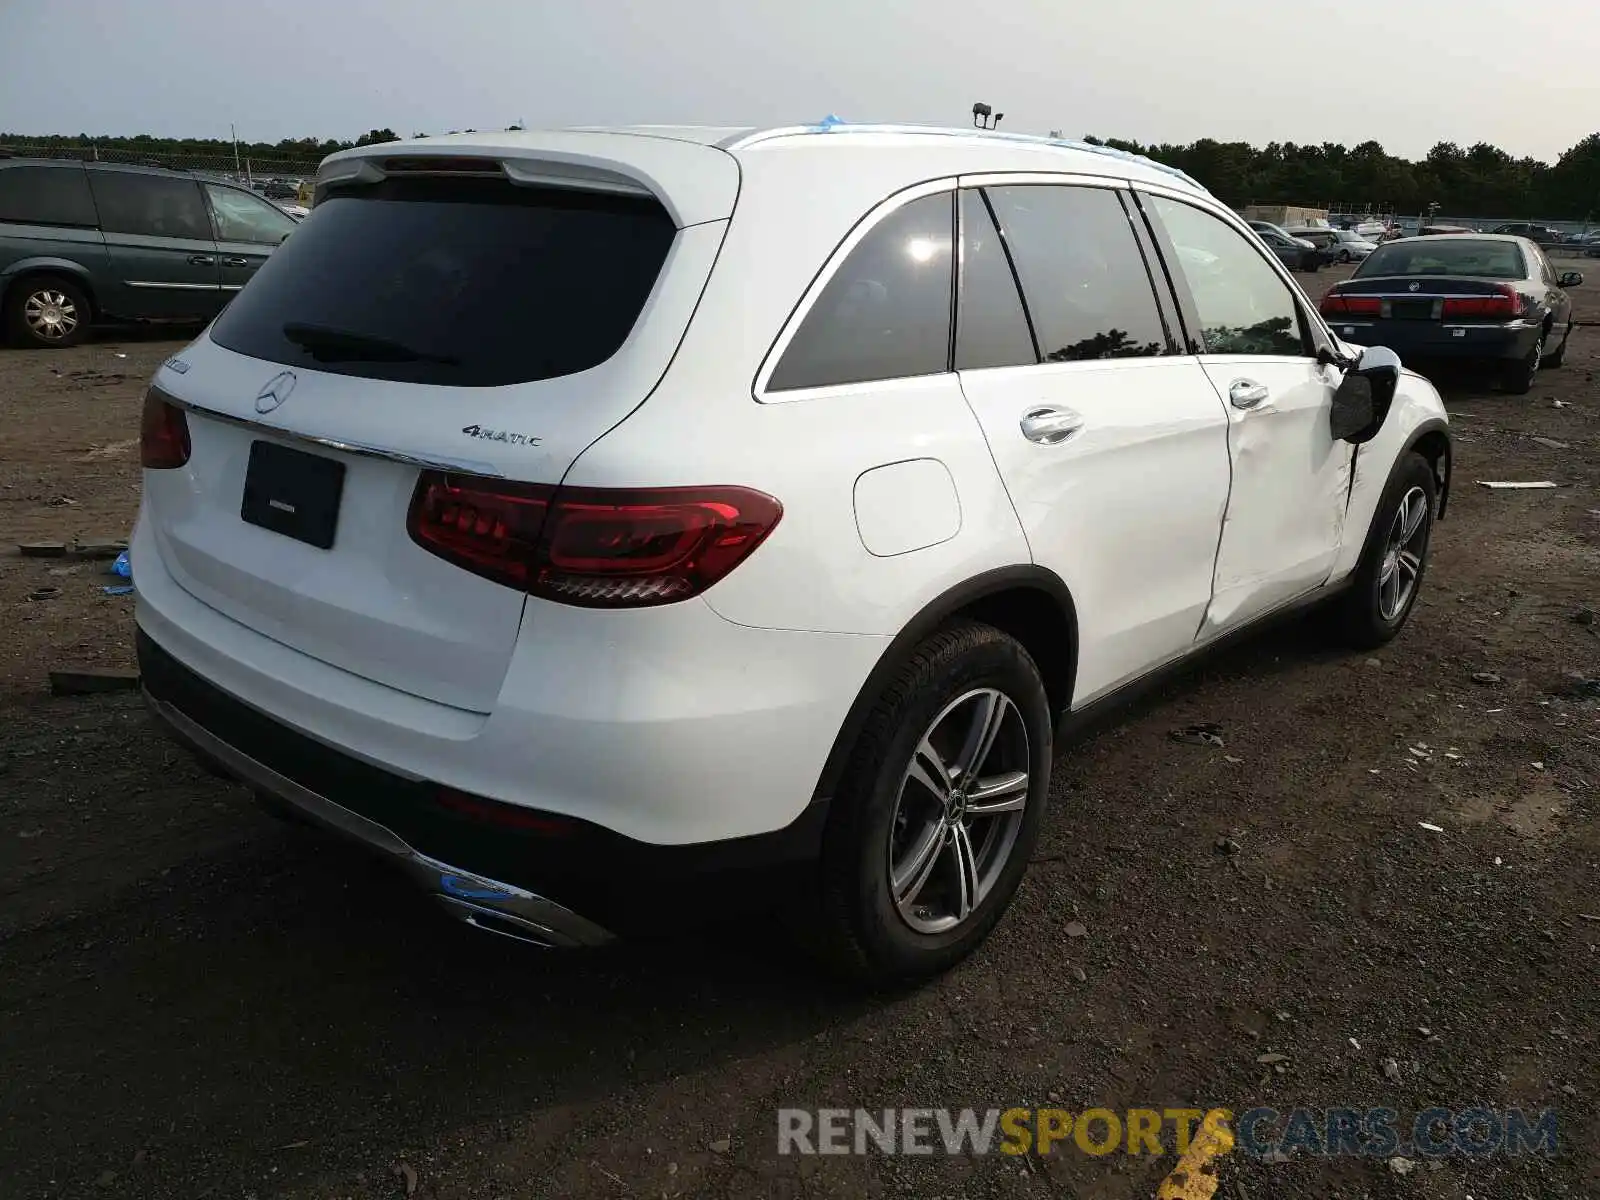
x=500 y=435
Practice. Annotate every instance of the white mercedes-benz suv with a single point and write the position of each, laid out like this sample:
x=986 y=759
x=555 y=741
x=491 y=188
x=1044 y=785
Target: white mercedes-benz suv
x=616 y=526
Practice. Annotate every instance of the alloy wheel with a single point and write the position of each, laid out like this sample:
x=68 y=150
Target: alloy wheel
x=1402 y=556
x=961 y=803
x=50 y=315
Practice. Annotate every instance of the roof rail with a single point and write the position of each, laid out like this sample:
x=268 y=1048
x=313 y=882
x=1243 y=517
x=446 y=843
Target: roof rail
x=834 y=125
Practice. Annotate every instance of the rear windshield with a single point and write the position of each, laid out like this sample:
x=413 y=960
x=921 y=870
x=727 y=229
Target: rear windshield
x=1484 y=260
x=465 y=283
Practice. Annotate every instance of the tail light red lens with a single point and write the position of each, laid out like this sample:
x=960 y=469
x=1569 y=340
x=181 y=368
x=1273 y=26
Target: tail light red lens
x=482 y=525
x=595 y=547
x=1337 y=304
x=163 y=433
x=1503 y=305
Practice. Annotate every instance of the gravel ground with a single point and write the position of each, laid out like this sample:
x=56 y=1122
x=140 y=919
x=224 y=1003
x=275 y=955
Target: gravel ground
x=196 y=1001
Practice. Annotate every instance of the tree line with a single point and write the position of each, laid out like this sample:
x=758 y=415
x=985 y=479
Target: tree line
x=1480 y=180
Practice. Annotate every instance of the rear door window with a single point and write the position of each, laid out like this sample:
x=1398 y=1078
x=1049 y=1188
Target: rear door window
x=991 y=324
x=46 y=195
x=459 y=282
x=1084 y=278
x=885 y=313
x=150 y=205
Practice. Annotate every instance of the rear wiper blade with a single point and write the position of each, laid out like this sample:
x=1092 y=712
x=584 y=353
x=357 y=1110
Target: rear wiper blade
x=328 y=344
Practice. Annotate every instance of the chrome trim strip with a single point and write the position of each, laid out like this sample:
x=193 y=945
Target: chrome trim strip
x=543 y=918
x=180 y=287
x=361 y=449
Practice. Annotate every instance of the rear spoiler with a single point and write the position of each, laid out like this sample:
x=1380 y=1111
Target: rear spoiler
x=695 y=183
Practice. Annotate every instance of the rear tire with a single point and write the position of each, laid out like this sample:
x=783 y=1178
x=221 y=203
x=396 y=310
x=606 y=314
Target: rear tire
x=914 y=874
x=47 y=312
x=1519 y=376
x=1394 y=558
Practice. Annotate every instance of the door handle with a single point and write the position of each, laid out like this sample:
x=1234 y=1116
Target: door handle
x=235 y=262
x=202 y=260
x=1247 y=393
x=1049 y=426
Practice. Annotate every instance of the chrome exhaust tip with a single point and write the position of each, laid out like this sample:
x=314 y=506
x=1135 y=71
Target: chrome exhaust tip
x=502 y=924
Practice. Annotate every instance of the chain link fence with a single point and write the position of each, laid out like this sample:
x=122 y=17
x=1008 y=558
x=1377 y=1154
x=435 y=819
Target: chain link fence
x=245 y=167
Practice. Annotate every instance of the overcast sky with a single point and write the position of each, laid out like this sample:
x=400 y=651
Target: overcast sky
x=1523 y=76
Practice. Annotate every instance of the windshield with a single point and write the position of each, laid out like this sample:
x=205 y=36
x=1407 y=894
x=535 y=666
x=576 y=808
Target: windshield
x=461 y=282
x=1480 y=259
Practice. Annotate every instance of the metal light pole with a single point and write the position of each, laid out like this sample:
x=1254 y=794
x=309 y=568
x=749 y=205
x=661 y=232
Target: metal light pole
x=235 y=134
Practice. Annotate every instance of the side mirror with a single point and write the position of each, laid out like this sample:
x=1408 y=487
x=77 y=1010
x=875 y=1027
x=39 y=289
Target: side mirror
x=1363 y=399
x=1570 y=278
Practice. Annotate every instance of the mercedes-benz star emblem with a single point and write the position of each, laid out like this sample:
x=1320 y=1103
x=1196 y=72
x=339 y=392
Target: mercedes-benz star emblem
x=1415 y=287
x=276 y=391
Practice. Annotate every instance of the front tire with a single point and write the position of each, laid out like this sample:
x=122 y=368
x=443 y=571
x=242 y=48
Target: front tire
x=1521 y=375
x=938 y=811
x=47 y=312
x=1559 y=358
x=1393 y=560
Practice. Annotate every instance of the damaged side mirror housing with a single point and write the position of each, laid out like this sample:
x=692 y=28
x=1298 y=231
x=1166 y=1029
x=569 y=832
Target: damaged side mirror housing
x=1363 y=399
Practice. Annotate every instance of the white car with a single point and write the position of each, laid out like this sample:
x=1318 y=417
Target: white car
x=616 y=526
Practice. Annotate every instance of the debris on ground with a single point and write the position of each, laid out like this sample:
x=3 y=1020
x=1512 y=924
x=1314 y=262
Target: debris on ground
x=1431 y=828
x=1268 y=1059
x=100 y=547
x=1487 y=678
x=1401 y=1166
x=121 y=566
x=720 y=1146
x=1205 y=733
x=41 y=549
x=1551 y=443
x=405 y=1172
x=1584 y=616
x=1391 y=1070
x=120 y=589
x=44 y=593
x=1226 y=845
x=87 y=681
x=1503 y=485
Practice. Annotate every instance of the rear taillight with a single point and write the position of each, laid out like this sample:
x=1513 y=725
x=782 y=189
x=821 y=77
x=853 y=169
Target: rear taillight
x=485 y=526
x=1337 y=304
x=595 y=547
x=1502 y=305
x=163 y=433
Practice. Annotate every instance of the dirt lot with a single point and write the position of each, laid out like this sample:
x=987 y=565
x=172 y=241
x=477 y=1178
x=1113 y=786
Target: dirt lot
x=196 y=1001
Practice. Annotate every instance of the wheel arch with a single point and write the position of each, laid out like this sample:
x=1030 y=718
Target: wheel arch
x=1431 y=439
x=29 y=268
x=1026 y=601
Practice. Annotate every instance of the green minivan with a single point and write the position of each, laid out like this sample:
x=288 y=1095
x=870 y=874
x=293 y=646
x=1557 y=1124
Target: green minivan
x=88 y=242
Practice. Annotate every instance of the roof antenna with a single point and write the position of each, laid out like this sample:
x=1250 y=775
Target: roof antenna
x=984 y=117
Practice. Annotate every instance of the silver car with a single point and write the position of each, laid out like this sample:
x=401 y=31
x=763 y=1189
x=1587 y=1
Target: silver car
x=1350 y=246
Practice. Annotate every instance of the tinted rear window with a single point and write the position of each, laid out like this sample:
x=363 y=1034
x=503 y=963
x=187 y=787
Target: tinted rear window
x=45 y=196
x=1483 y=260
x=464 y=283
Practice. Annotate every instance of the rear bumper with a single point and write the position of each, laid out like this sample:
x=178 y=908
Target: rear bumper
x=1433 y=340
x=475 y=899
x=548 y=879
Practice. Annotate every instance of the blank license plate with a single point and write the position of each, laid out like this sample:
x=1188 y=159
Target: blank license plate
x=1413 y=310
x=293 y=493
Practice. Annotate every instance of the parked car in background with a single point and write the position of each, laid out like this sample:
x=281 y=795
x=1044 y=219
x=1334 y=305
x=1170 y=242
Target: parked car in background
x=1438 y=230
x=734 y=549
x=1542 y=234
x=1295 y=253
x=1337 y=245
x=280 y=189
x=85 y=242
x=1479 y=296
